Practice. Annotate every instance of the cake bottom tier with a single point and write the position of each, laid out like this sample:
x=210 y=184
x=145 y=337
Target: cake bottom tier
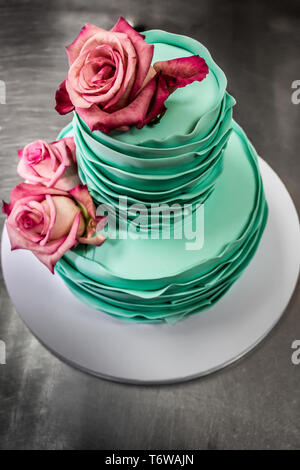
x=151 y=280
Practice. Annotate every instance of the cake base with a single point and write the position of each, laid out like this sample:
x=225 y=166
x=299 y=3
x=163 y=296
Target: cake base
x=162 y=353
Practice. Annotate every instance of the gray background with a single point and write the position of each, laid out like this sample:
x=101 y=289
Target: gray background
x=45 y=404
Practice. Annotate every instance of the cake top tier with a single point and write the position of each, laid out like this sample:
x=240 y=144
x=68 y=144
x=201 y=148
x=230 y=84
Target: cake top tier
x=119 y=82
x=196 y=105
x=178 y=159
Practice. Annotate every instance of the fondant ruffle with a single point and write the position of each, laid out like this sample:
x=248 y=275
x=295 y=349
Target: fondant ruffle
x=180 y=175
x=177 y=161
x=127 y=278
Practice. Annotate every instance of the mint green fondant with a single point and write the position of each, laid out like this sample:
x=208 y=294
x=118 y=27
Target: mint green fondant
x=151 y=280
x=195 y=154
x=192 y=110
x=166 y=177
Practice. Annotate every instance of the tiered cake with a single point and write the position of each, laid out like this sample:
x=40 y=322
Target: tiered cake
x=196 y=156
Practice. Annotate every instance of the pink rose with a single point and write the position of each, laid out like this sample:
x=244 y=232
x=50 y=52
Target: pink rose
x=111 y=82
x=50 y=221
x=53 y=165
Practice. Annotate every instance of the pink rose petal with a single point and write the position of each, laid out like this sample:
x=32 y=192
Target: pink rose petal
x=59 y=248
x=74 y=49
x=144 y=53
x=63 y=103
x=52 y=217
x=96 y=240
x=55 y=167
x=83 y=197
x=81 y=194
x=133 y=114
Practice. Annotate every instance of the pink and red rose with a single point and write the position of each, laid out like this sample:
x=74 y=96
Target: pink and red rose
x=112 y=85
x=111 y=82
x=53 y=165
x=50 y=221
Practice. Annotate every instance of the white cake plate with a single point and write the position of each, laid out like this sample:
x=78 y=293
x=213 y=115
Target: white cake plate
x=161 y=353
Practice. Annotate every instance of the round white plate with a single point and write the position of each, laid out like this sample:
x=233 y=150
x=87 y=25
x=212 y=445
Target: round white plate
x=161 y=353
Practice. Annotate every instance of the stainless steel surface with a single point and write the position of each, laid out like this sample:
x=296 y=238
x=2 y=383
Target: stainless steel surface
x=253 y=404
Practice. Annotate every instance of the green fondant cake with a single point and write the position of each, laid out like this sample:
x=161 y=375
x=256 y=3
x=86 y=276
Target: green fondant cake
x=195 y=155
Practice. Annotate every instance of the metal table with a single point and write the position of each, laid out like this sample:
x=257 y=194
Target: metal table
x=45 y=404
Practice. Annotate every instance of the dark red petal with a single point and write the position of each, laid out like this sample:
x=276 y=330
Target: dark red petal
x=6 y=209
x=20 y=153
x=157 y=106
x=181 y=72
x=81 y=194
x=63 y=102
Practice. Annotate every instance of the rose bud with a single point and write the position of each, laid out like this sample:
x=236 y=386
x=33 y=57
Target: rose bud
x=53 y=165
x=50 y=221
